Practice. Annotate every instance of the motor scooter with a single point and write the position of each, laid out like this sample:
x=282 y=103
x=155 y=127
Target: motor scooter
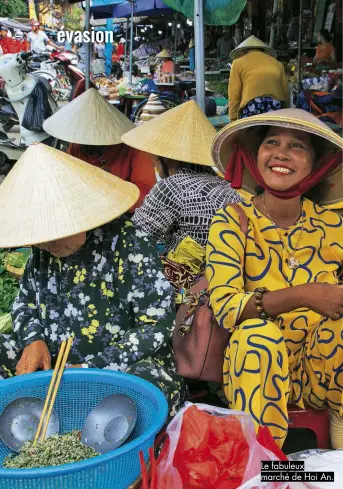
x=55 y=71
x=19 y=85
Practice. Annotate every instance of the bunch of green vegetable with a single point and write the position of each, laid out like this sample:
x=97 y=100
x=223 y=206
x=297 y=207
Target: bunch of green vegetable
x=8 y=284
x=55 y=450
x=6 y=325
x=14 y=259
x=8 y=290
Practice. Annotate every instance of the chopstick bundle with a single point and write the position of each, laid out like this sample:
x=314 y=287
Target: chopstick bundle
x=53 y=389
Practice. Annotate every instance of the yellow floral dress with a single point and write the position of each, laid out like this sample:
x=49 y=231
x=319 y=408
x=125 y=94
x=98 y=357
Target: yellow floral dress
x=297 y=358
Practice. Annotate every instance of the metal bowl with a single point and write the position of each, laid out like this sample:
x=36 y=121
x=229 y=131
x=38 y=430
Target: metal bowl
x=19 y=422
x=110 y=423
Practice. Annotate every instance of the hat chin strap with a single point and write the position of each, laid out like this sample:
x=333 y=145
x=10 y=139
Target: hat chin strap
x=242 y=158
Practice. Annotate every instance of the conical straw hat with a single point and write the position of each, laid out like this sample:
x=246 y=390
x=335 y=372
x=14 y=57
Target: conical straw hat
x=50 y=195
x=251 y=43
x=153 y=108
x=88 y=119
x=182 y=134
x=243 y=132
x=164 y=54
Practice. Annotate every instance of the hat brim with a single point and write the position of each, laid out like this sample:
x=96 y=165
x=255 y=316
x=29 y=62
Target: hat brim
x=88 y=120
x=182 y=134
x=238 y=52
x=241 y=132
x=63 y=197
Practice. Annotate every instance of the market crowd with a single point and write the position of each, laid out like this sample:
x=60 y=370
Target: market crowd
x=115 y=252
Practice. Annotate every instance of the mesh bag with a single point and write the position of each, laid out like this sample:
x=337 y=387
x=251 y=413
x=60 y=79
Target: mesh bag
x=216 y=12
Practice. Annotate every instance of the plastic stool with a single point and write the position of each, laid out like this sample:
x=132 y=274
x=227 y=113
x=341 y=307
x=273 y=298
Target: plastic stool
x=315 y=420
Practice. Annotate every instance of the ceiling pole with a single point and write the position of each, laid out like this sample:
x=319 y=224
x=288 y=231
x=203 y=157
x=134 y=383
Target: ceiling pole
x=131 y=43
x=199 y=39
x=88 y=45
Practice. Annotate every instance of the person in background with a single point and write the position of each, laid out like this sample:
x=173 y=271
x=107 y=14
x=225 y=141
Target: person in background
x=258 y=82
x=225 y=45
x=91 y=274
x=94 y=128
x=325 y=52
x=168 y=65
x=99 y=50
x=120 y=51
x=273 y=268
x=7 y=43
x=82 y=54
x=182 y=204
x=38 y=40
x=192 y=55
x=19 y=36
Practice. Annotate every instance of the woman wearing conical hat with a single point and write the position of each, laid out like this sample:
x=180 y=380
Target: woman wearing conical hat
x=275 y=287
x=258 y=82
x=183 y=203
x=168 y=65
x=91 y=273
x=94 y=128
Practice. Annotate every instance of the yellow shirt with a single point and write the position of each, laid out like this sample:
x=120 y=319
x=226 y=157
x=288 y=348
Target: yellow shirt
x=256 y=74
x=238 y=264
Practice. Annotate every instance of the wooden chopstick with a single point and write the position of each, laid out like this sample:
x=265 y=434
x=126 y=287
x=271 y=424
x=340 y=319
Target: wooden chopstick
x=52 y=382
x=53 y=389
x=57 y=384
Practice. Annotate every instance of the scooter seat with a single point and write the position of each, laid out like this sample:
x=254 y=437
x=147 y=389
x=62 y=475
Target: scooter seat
x=34 y=65
x=7 y=109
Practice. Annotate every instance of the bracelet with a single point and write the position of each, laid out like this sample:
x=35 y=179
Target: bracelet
x=259 y=292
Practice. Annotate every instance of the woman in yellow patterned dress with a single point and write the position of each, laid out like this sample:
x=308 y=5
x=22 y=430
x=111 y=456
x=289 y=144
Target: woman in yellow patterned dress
x=276 y=286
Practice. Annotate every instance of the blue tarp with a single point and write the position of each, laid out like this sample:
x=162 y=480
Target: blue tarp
x=142 y=8
x=102 y=9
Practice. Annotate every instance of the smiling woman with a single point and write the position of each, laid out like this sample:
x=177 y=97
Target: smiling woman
x=276 y=289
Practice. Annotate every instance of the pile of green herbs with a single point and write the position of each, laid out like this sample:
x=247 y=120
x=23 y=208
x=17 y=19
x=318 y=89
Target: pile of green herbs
x=55 y=450
x=9 y=285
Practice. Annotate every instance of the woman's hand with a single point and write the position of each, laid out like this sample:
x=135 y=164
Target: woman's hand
x=35 y=356
x=324 y=299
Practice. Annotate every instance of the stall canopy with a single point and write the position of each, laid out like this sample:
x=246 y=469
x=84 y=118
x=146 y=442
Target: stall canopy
x=101 y=9
x=216 y=12
x=142 y=8
x=13 y=24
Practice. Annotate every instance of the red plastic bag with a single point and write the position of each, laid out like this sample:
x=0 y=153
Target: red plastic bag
x=214 y=448
x=264 y=438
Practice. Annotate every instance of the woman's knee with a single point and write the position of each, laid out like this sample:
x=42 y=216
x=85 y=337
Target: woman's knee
x=257 y=335
x=259 y=328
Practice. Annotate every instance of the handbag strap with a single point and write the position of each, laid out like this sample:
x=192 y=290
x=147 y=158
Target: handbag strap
x=202 y=284
x=198 y=290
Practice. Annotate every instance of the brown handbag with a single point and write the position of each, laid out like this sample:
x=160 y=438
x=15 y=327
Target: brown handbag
x=199 y=342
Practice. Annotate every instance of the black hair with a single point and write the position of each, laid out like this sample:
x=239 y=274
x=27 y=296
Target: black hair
x=326 y=35
x=116 y=70
x=164 y=166
x=316 y=193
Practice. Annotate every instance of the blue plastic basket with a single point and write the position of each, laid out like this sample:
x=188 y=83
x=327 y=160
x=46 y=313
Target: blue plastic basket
x=79 y=392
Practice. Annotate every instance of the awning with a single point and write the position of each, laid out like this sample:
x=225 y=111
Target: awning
x=101 y=9
x=143 y=8
x=13 y=24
